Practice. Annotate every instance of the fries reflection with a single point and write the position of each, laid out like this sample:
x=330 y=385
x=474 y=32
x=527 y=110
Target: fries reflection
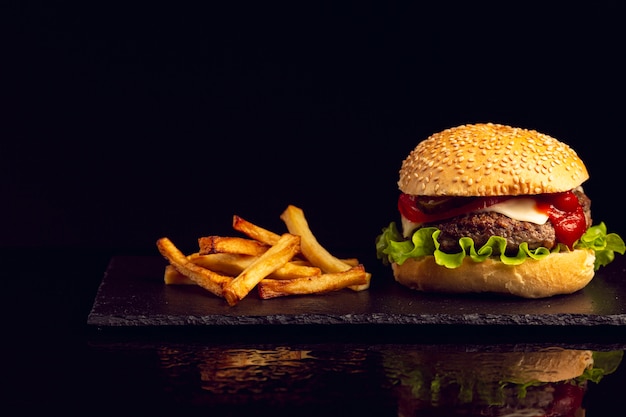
x=268 y=375
x=236 y=368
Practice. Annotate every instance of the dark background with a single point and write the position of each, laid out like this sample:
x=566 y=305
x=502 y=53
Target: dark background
x=123 y=122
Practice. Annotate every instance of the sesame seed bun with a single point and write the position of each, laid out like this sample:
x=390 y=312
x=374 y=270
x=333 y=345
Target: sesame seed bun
x=490 y=160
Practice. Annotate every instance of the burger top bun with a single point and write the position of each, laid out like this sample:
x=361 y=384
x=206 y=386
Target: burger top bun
x=490 y=160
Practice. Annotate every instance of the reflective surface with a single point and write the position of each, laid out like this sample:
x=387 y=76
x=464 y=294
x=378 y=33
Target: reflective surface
x=380 y=379
x=57 y=364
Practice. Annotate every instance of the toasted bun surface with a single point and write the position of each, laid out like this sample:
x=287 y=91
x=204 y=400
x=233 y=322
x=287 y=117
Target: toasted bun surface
x=558 y=273
x=490 y=160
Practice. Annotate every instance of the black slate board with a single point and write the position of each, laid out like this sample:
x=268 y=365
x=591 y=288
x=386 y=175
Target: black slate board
x=132 y=293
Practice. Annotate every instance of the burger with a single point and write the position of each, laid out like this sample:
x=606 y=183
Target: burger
x=493 y=208
x=551 y=381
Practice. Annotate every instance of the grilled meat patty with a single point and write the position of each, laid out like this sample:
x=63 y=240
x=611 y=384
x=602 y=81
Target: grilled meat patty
x=480 y=226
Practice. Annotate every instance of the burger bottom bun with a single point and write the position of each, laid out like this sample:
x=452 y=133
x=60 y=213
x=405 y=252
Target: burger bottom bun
x=558 y=273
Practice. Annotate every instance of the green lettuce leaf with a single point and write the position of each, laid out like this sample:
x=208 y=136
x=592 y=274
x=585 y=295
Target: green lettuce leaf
x=392 y=247
x=604 y=363
x=605 y=245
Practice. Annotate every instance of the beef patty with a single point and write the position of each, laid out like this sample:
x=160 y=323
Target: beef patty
x=482 y=225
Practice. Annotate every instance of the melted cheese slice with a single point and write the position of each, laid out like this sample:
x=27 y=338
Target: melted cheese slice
x=522 y=209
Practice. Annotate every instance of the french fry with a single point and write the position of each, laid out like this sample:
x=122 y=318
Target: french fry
x=226 y=263
x=239 y=245
x=271 y=288
x=302 y=262
x=316 y=254
x=276 y=256
x=294 y=270
x=350 y=261
x=205 y=278
x=173 y=277
x=255 y=232
x=296 y=223
x=263 y=259
x=234 y=264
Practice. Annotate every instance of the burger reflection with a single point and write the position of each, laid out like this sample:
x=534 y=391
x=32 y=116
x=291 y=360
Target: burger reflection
x=546 y=382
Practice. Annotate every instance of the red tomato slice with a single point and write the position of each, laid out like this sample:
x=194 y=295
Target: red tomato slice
x=408 y=208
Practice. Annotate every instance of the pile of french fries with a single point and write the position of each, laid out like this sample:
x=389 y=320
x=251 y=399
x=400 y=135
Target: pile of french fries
x=293 y=263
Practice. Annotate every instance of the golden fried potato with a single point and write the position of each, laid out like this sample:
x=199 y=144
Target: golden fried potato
x=205 y=278
x=173 y=277
x=314 y=252
x=238 y=245
x=278 y=265
x=233 y=264
x=270 y=288
x=276 y=256
x=255 y=232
